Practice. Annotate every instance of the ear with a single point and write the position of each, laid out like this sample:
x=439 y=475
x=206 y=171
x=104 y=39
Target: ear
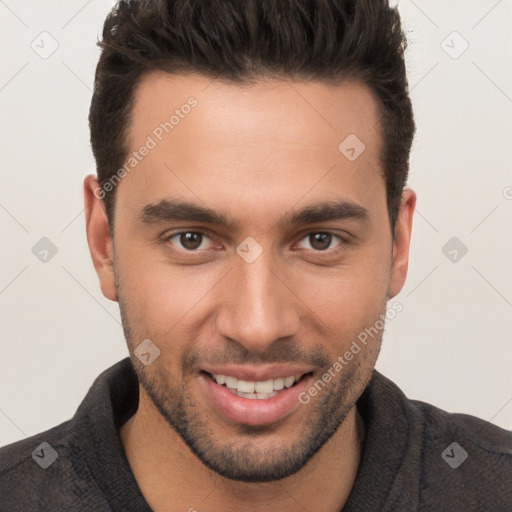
x=401 y=242
x=98 y=236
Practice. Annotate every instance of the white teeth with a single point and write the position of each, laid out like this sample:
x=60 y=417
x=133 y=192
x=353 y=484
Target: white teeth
x=267 y=386
x=264 y=396
x=255 y=396
x=264 y=388
x=288 y=382
x=245 y=386
x=231 y=382
x=221 y=379
x=278 y=384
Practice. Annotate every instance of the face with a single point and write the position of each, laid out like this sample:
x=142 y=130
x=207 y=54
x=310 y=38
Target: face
x=252 y=252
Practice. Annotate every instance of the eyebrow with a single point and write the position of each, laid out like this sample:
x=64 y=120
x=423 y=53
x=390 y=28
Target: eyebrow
x=168 y=210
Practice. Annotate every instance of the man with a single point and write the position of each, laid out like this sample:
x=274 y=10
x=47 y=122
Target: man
x=251 y=218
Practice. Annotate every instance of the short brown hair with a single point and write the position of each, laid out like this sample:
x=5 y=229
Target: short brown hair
x=242 y=40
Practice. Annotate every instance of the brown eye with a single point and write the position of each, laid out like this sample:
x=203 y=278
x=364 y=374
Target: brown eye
x=189 y=240
x=320 y=241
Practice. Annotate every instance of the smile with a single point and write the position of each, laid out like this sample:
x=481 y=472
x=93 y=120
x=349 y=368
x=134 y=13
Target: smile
x=255 y=390
x=254 y=402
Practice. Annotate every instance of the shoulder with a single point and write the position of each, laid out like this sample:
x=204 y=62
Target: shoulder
x=482 y=437
x=445 y=461
x=47 y=472
x=16 y=456
x=41 y=472
x=465 y=460
x=58 y=469
x=437 y=426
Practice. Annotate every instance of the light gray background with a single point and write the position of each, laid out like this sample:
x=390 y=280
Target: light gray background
x=450 y=345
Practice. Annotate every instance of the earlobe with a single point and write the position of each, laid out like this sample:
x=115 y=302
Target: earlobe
x=401 y=242
x=98 y=237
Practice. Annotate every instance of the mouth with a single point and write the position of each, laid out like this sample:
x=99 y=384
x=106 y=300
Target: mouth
x=256 y=390
x=254 y=402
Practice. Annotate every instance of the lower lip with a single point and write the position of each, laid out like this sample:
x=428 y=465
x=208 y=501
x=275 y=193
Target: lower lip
x=255 y=411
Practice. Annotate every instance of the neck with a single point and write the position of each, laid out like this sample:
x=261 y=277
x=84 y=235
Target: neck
x=168 y=473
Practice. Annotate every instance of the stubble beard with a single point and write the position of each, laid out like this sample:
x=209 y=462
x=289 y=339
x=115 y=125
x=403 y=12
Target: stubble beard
x=246 y=457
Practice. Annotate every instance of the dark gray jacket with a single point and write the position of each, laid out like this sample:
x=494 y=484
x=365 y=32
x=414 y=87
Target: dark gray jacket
x=416 y=457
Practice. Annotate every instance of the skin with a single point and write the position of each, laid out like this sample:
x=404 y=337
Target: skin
x=253 y=153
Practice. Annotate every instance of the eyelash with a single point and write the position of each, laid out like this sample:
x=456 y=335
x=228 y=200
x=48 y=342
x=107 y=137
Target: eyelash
x=340 y=245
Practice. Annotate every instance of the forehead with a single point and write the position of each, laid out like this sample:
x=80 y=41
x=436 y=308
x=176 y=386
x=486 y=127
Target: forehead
x=272 y=139
x=317 y=109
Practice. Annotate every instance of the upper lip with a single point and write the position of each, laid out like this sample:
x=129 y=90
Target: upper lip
x=258 y=373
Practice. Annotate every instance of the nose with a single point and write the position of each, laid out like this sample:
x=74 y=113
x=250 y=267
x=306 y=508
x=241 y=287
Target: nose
x=260 y=307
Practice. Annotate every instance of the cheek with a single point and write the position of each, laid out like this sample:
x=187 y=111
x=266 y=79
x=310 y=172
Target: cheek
x=350 y=298
x=165 y=301
x=161 y=298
